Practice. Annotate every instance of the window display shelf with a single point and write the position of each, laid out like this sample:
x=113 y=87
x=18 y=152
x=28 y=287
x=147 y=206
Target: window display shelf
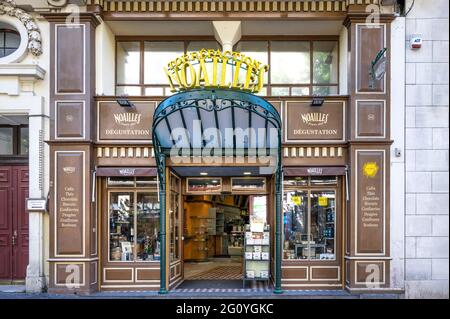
x=256 y=256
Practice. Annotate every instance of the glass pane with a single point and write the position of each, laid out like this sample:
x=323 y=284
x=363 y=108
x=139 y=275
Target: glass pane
x=2 y=38
x=128 y=90
x=12 y=40
x=6 y=140
x=296 y=91
x=257 y=50
x=290 y=62
x=158 y=91
x=325 y=180
x=121 y=226
x=280 y=91
x=9 y=51
x=146 y=182
x=204 y=185
x=128 y=62
x=295 y=181
x=323 y=213
x=147 y=227
x=325 y=61
x=263 y=92
x=174 y=219
x=156 y=57
x=121 y=181
x=325 y=90
x=198 y=45
x=24 y=140
x=295 y=216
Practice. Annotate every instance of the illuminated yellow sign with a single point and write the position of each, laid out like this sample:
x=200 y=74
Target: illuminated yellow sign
x=214 y=68
x=370 y=169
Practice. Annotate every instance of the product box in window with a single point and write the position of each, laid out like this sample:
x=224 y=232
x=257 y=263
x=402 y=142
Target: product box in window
x=264 y=274
x=265 y=241
x=256 y=256
x=257 y=249
x=248 y=255
x=250 y=274
x=265 y=256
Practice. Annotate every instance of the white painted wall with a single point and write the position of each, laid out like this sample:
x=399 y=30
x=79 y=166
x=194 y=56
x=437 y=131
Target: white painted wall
x=105 y=60
x=427 y=151
x=343 y=61
x=397 y=162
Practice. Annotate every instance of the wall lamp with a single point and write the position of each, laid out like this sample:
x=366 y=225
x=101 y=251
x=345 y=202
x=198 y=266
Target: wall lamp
x=124 y=102
x=317 y=101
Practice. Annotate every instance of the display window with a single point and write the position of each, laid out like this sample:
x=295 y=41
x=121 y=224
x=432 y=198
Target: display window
x=133 y=218
x=309 y=220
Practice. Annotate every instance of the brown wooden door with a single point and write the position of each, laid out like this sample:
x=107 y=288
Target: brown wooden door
x=13 y=222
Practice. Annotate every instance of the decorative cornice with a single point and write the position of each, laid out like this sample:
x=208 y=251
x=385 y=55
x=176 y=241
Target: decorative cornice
x=8 y=7
x=62 y=17
x=306 y=6
x=22 y=70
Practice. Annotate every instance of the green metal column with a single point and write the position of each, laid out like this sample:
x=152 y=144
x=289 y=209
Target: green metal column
x=162 y=225
x=278 y=212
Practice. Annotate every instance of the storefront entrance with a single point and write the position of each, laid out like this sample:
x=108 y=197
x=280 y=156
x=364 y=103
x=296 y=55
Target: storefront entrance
x=214 y=240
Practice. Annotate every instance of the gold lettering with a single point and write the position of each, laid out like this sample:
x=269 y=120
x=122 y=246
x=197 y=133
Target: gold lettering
x=184 y=79
x=202 y=74
x=229 y=74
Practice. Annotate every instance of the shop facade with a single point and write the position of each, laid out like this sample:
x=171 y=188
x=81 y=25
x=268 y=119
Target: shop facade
x=335 y=152
x=117 y=202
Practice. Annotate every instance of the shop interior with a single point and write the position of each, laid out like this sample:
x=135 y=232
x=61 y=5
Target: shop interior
x=215 y=227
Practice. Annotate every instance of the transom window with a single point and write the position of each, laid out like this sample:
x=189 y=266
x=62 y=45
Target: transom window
x=14 y=140
x=297 y=67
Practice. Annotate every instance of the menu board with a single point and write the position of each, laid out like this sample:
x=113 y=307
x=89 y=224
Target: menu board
x=69 y=203
x=370 y=201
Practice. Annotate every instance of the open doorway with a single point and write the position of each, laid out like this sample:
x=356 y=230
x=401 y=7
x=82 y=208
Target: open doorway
x=214 y=243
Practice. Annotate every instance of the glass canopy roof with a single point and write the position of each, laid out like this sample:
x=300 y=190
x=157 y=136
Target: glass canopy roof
x=224 y=121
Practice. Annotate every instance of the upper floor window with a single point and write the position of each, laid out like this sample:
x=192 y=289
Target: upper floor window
x=296 y=67
x=9 y=42
x=140 y=64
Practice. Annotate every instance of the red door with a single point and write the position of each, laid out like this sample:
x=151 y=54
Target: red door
x=13 y=222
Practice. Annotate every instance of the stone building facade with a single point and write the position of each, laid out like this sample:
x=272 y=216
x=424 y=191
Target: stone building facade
x=427 y=160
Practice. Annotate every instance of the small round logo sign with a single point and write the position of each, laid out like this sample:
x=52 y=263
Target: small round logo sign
x=370 y=169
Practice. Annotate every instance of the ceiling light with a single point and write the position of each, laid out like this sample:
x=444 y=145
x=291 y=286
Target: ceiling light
x=204 y=173
x=247 y=173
